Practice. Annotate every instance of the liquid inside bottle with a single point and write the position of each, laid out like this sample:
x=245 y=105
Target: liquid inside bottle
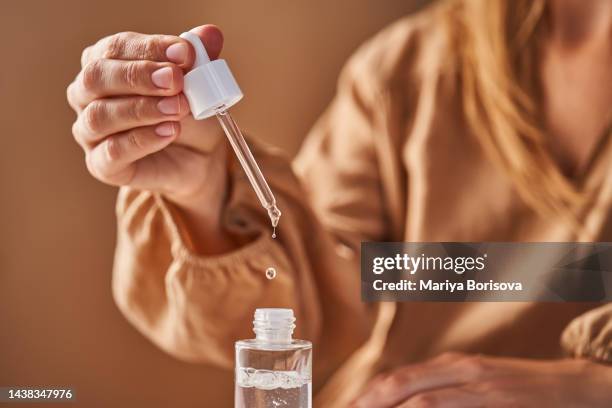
x=273 y=370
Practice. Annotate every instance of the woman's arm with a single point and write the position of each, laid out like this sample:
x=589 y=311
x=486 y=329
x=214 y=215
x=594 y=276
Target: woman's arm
x=195 y=306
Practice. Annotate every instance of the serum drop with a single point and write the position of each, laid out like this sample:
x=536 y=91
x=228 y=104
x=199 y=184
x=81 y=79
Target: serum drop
x=270 y=273
x=273 y=370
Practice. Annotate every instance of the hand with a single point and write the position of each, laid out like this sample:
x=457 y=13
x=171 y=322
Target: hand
x=133 y=121
x=134 y=125
x=460 y=380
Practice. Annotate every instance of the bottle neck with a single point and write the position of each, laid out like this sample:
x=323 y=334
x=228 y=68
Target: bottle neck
x=274 y=325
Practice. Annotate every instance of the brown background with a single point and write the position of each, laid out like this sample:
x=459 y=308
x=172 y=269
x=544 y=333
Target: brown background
x=58 y=324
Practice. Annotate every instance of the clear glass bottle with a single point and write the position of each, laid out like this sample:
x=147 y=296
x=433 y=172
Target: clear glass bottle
x=273 y=370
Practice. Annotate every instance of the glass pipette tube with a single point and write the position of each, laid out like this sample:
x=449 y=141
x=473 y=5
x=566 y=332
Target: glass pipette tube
x=246 y=159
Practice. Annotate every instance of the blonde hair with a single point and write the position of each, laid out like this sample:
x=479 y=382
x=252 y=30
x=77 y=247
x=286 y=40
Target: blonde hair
x=497 y=43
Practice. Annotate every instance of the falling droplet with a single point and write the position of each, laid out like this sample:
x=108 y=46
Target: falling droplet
x=270 y=273
x=274 y=233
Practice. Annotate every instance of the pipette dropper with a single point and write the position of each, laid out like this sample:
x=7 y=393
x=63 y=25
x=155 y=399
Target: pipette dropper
x=246 y=159
x=211 y=90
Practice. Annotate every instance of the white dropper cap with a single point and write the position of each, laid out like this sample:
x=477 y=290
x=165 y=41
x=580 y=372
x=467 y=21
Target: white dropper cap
x=209 y=86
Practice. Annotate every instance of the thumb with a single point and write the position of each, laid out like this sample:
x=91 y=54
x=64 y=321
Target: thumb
x=211 y=37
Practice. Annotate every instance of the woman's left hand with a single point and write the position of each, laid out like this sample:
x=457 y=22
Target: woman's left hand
x=463 y=380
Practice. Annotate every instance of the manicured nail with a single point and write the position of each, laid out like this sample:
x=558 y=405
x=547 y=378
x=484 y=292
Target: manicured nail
x=177 y=53
x=165 y=129
x=170 y=105
x=162 y=78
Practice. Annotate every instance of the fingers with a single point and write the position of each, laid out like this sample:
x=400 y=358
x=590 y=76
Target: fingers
x=114 y=160
x=449 y=369
x=160 y=48
x=104 y=117
x=137 y=64
x=104 y=78
x=136 y=46
x=457 y=397
x=458 y=380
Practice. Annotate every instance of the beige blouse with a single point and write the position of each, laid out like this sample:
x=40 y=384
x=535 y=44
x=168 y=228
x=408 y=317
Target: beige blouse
x=391 y=159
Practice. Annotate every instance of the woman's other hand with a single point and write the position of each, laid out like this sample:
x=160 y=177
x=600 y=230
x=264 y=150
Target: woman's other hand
x=459 y=380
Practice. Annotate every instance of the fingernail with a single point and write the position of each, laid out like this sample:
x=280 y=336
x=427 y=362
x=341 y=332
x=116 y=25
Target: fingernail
x=177 y=53
x=162 y=78
x=170 y=105
x=165 y=129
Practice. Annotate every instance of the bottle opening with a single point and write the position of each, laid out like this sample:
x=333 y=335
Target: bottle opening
x=274 y=325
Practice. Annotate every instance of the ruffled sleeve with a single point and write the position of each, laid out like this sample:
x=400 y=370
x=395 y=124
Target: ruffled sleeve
x=590 y=335
x=192 y=306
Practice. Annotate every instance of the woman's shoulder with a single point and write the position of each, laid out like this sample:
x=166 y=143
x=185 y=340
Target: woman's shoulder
x=407 y=49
